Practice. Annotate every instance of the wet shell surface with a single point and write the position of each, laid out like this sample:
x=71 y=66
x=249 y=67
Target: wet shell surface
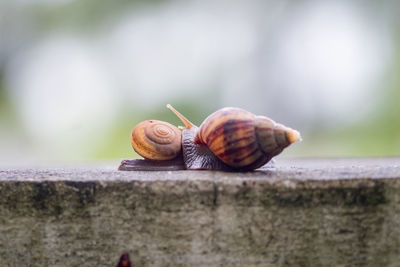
x=156 y=140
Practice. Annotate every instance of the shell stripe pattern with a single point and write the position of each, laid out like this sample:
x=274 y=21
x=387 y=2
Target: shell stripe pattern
x=218 y=118
x=271 y=140
x=272 y=137
x=238 y=147
x=230 y=134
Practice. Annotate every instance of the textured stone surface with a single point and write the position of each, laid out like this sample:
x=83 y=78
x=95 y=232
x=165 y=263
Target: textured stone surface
x=300 y=212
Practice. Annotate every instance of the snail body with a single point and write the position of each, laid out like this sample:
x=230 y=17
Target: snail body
x=228 y=139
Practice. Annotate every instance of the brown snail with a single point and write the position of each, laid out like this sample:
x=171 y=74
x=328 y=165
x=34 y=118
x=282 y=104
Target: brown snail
x=228 y=139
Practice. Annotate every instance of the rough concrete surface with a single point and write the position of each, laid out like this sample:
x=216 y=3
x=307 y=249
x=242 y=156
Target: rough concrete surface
x=300 y=212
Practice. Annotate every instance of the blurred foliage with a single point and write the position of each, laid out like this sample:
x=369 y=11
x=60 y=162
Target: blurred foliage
x=377 y=135
x=6 y=110
x=83 y=15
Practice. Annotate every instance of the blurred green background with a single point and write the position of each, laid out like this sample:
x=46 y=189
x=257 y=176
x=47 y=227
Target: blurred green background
x=77 y=75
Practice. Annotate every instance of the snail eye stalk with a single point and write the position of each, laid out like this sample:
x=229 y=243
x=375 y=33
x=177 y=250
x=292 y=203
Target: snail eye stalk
x=185 y=121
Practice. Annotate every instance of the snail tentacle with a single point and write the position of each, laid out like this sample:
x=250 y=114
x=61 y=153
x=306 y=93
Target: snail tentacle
x=185 y=121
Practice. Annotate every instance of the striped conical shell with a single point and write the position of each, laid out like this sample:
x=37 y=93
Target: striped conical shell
x=243 y=140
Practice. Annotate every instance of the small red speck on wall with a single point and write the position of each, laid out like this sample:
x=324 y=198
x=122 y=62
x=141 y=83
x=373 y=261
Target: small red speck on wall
x=124 y=260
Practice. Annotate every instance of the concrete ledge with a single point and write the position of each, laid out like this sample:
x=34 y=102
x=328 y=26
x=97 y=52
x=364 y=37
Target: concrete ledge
x=301 y=212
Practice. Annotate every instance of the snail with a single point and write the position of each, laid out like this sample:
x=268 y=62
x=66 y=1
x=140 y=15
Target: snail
x=230 y=139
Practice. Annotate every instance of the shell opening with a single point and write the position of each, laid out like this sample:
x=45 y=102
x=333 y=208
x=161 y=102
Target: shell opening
x=185 y=121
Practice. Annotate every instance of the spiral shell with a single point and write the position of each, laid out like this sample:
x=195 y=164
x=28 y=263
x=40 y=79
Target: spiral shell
x=156 y=140
x=243 y=140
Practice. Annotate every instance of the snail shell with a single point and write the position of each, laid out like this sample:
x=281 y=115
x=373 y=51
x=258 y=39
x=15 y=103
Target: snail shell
x=156 y=140
x=243 y=140
x=228 y=139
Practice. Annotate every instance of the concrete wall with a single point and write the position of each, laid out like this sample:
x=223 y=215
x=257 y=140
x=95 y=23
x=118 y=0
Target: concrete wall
x=282 y=216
